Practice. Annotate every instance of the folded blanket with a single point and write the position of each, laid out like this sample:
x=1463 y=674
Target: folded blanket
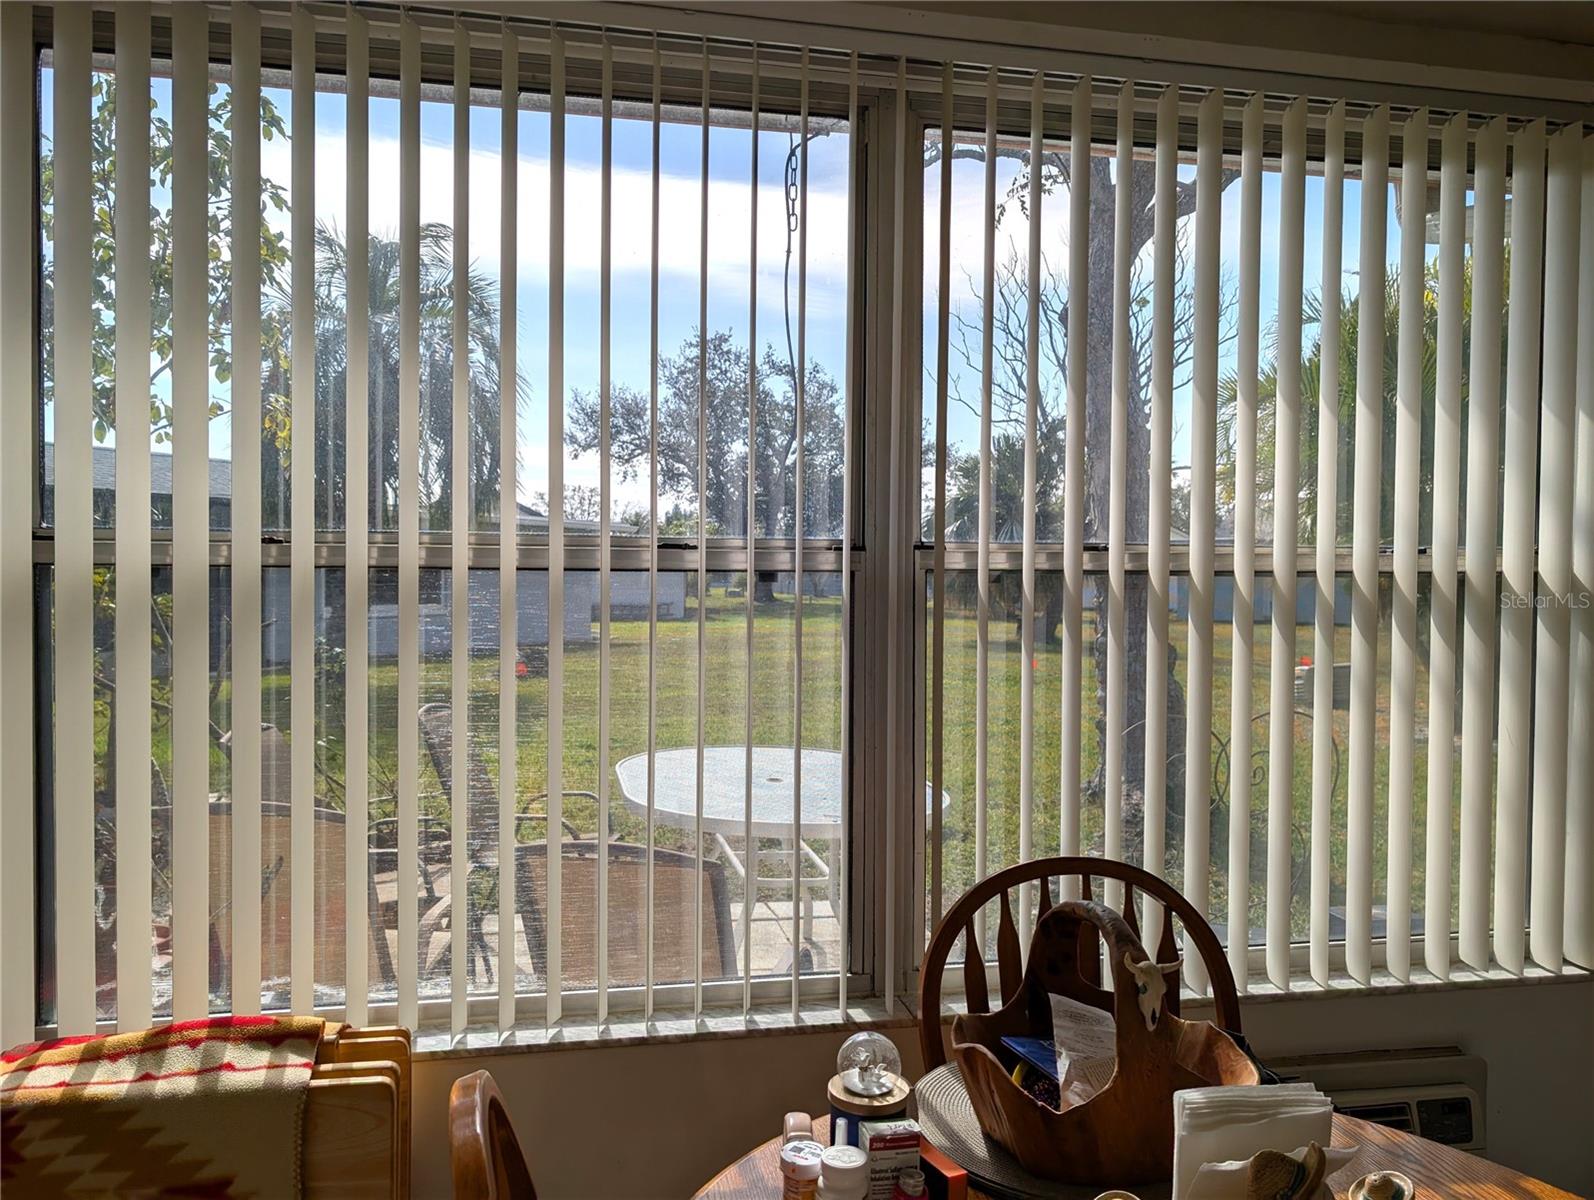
x=210 y=1108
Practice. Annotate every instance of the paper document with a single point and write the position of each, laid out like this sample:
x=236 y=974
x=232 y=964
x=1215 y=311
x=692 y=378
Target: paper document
x=1087 y=1049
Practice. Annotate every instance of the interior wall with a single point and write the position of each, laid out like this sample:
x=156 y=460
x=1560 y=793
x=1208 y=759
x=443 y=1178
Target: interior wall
x=657 y=1121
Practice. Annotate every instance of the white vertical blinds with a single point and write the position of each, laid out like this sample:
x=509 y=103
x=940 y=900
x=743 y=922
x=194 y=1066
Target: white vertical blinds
x=508 y=524
x=74 y=518
x=605 y=586
x=556 y=516
x=1118 y=450
x=1248 y=315
x=1217 y=379
x=982 y=677
x=460 y=509
x=1032 y=388
x=1325 y=598
x=134 y=825
x=409 y=521
x=1482 y=576
x=1408 y=452
x=1074 y=466
x=1578 y=909
x=1513 y=754
x=190 y=515
x=1286 y=508
x=1365 y=543
x=1159 y=532
x=1552 y=632
x=356 y=509
x=1443 y=634
x=245 y=390
x=18 y=994
x=302 y=571
x=748 y=648
x=799 y=530
x=937 y=664
x=1203 y=501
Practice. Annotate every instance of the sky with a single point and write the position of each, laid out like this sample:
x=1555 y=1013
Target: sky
x=681 y=251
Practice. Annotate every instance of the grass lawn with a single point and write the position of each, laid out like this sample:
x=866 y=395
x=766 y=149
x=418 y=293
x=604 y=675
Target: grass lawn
x=772 y=712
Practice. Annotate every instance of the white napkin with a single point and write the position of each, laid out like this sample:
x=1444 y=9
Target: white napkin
x=1226 y=1180
x=1230 y=1124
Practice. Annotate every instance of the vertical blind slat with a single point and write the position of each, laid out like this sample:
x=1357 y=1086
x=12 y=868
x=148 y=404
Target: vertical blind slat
x=1072 y=703
x=1286 y=512
x=406 y=880
x=896 y=475
x=459 y=644
x=1032 y=390
x=1446 y=511
x=653 y=529
x=1159 y=496
x=18 y=996
x=1365 y=541
x=246 y=555
x=1522 y=399
x=508 y=524
x=938 y=562
x=1408 y=454
x=190 y=514
x=605 y=302
x=982 y=668
x=556 y=525
x=749 y=884
x=134 y=1001
x=1578 y=907
x=357 y=521
x=1552 y=618
x=844 y=851
x=74 y=534
x=798 y=525
x=1203 y=494
x=1242 y=627
x=1326 y=536
x=702 y=540
x=1118 y=469
x=302 y=521
x=1480 y=598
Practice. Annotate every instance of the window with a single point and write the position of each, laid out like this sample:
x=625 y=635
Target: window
x=1331 y=755
x=658 y=614
x=529 y=493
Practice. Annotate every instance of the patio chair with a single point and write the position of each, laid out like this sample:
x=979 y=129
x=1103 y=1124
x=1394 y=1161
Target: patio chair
x=674 y=878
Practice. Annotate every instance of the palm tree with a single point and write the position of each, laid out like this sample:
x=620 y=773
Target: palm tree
x=1311 y=397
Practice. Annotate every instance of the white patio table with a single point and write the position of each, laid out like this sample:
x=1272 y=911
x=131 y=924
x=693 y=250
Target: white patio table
x=725 y=806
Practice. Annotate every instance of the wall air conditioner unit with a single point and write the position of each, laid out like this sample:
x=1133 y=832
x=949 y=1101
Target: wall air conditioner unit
x=1436 y=1092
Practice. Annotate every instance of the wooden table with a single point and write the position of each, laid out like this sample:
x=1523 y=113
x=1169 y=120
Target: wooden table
x=1437 y=1170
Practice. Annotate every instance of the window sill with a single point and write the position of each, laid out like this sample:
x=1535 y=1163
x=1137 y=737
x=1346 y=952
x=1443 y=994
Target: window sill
x=777 y=1020
x=665 y=1028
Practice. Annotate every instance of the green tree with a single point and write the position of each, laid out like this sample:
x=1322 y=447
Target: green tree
x=775 y=444
x=102 y=177
x=436 y=351
x=1312 y=398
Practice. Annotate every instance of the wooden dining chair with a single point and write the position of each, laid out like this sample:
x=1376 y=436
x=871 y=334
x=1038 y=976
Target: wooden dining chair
x=963 y=919
x=484 y=1154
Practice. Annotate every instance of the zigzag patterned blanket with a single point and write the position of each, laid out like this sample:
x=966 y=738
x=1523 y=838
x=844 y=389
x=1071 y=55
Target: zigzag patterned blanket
x=210 y=1108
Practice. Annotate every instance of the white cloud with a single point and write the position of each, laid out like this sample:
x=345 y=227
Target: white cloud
x=679 y=215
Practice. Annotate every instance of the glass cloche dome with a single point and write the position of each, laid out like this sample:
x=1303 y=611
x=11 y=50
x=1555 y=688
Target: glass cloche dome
x=869 y=1064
